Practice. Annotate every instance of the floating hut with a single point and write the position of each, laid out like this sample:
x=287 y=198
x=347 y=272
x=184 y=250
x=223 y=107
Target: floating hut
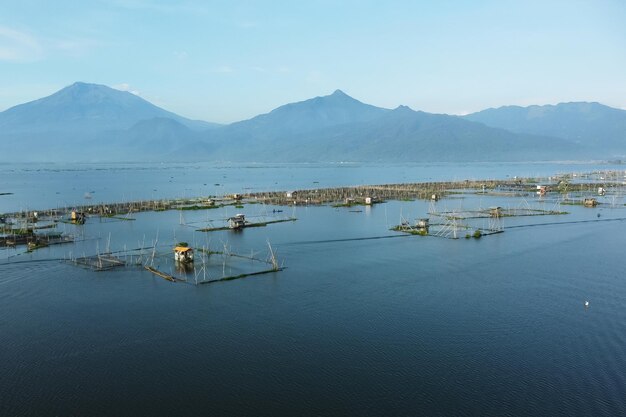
x=41 y=240
x=9 y=242
x=495 y=211
x=590 y=202
x=237 y=221
x=601 y=191
x=32 y=245
x=542 y=190
x=183 y=254
x=77 y=217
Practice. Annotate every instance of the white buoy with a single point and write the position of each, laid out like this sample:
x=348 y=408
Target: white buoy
x=586 y=303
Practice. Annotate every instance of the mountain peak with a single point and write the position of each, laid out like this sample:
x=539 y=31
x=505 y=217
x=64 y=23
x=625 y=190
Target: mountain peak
x=339 y=93
x=319 y=112
x=87 y=93
x=86 y=107
x=83 y=86
x=79 y=84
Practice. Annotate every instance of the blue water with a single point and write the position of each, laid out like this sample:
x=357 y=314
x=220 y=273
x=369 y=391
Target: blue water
x=40 y=186
x=393 y=325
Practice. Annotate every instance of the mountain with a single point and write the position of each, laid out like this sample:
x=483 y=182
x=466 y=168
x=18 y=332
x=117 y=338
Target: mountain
x=408 y=135
x=294 y=119
x=83 y=107
x=89 y=122
x=592 y=124
x=381 y=135
x=316 y=113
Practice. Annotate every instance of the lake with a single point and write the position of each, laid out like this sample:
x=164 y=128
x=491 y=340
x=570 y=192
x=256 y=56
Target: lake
x=363 y=320
x=40 y=186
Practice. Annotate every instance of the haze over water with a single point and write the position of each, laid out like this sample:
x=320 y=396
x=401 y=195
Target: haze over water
x=40 y=186
x=363 y=321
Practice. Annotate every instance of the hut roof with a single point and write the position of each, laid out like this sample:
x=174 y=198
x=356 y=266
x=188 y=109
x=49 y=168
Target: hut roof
x=181 y=249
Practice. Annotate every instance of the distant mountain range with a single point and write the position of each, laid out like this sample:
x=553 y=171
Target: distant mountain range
x=591 y=124
x=89 y=122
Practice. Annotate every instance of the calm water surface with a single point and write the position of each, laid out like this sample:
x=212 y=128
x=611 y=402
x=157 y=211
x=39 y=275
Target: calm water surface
x=402 y=325
x=51 y=185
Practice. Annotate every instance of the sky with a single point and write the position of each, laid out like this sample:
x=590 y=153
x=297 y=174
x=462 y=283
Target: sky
x=224 y=61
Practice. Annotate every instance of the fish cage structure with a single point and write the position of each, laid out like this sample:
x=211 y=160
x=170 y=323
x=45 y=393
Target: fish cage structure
x=102 y=262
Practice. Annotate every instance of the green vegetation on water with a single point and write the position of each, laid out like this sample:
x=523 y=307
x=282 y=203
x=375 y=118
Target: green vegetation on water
x=114 y=216
x=418 y=232
x=17 y=232
x=197 y=207
x=350 y=204
x=210 y=252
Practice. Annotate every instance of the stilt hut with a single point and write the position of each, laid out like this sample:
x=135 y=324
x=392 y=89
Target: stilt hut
x=183 y=254
x=77 y=217
x=542 y=190
x=237 y=221
x=495 y=211
x=590 y=202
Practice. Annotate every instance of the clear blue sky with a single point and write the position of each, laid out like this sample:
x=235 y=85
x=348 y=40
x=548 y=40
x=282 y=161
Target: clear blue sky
x=224 y=61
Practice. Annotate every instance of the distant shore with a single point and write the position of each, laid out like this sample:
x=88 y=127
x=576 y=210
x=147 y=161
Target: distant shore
x=351 y=195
